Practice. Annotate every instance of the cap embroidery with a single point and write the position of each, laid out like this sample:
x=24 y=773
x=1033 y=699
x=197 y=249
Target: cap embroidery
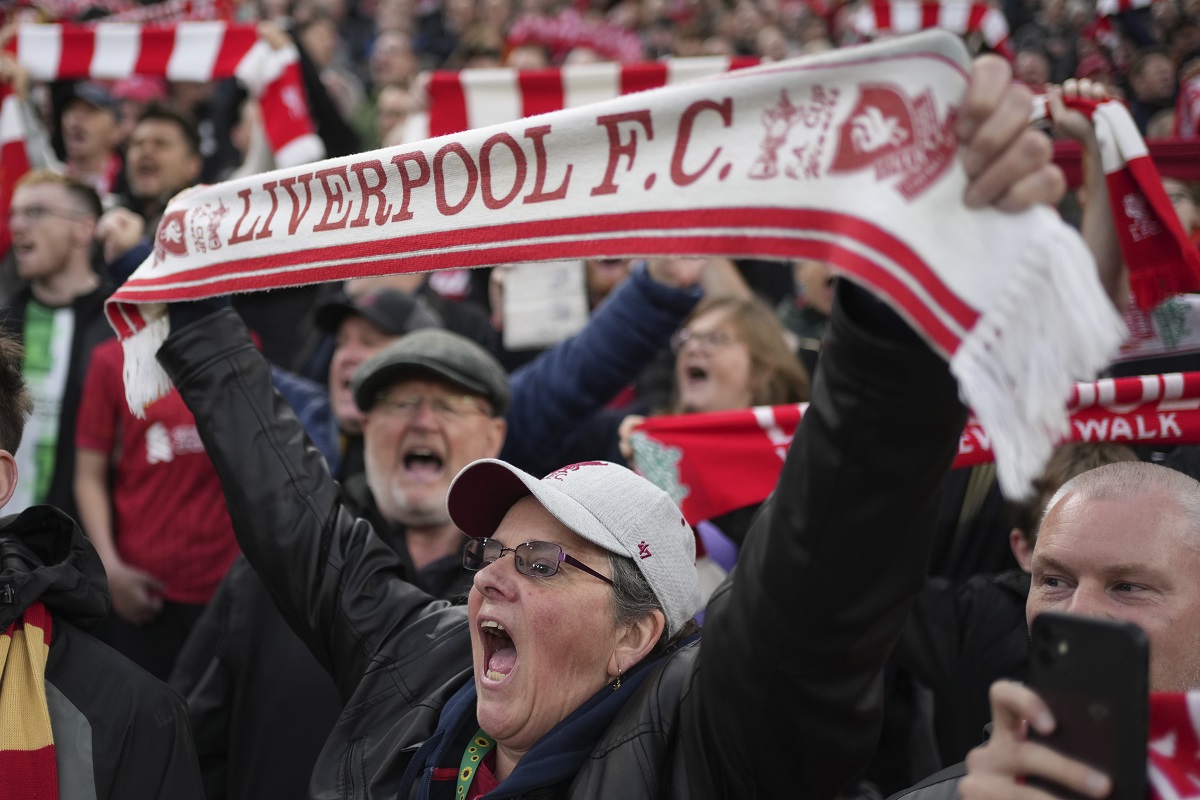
x=644 y=549
x=559 y=474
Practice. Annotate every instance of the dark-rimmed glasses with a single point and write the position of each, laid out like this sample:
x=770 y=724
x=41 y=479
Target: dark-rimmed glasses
x=535 y=559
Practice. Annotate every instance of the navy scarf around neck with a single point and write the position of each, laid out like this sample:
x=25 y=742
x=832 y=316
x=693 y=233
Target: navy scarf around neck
x=556 y=758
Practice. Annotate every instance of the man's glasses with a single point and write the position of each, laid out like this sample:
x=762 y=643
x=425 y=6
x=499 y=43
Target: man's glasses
x=39 y=213
x=447 y=408
x=535 y=559
x=710 y=339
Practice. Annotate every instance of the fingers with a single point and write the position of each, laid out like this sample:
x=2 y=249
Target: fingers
x=1013 y=704
x=1028 y=156
x=991 y=77
x=1003 y=770
x=998 y=770
x=1007 y=165
x=625 y=433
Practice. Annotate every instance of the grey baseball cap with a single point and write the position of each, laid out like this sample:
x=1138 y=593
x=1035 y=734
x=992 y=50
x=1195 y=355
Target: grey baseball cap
x=447 y=355
x=390 y=310
x=605 y=503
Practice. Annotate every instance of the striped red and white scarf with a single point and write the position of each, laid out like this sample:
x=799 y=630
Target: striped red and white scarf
x=817 y=158
x=963 y=17
x=1161 y=258
x=187 y=51
x=28 y=770
x=686 y=455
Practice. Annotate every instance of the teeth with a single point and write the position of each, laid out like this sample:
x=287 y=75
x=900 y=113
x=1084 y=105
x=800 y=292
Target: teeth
x=492 y=627
x=494 y=676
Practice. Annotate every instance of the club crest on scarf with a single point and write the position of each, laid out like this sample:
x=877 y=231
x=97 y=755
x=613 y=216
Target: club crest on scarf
x=171 y=238
x=779 y=120
x=895 y=135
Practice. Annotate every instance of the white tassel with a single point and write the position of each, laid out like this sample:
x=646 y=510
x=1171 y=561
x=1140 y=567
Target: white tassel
x=1051 y=326
x=145 y=379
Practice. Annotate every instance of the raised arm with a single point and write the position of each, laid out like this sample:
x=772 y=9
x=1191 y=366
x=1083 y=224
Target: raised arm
x=795 y=642
x=317 y=560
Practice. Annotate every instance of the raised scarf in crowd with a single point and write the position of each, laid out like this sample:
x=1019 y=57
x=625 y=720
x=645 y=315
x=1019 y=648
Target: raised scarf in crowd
x=1161 y=258
x=687 y=455
x=848 y=157
x=28 y=770
x=186 y=51
x=964 y=17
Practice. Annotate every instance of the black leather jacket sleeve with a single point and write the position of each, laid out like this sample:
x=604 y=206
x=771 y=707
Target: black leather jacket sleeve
x=328 y=571
x=787 y=697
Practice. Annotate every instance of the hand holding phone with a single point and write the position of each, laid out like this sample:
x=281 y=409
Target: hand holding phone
x=1078 y=730
x=1093 y=676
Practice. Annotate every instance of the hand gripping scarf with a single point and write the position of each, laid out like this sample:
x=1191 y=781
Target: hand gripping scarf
x=27 y=767
x=848 y=157
x=1160 y=257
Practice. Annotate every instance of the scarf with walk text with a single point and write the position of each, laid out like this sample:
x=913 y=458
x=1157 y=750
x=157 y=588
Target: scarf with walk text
x=687 y=455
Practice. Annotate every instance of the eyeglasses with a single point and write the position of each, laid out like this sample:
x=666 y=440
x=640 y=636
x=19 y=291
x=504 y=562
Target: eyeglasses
x=713 y=339
x=39 y=213
x=447 y=408
x=535 y=559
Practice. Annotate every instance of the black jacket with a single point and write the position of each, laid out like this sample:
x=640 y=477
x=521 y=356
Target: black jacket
x=118 y=732
x=782 y=697
x=958 y=641
x=261 y=706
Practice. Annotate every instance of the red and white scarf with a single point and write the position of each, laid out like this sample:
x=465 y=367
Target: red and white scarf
x=1174 y=745
x=474 y=98
x=1160 y=257
x=28 y=770
x=963 y=17
x=848 y=157
x=187 y=51
x=14 y=160
x=686 y=455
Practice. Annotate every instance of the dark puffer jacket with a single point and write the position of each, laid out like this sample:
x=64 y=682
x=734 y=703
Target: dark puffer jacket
x=119 y=733
x=780 y=699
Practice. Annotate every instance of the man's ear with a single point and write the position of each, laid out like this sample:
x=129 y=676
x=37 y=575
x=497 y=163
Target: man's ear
x=497 y=429
x=1022 y=550
x=8 y=477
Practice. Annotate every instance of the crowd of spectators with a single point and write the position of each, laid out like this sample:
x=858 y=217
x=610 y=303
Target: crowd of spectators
x=109 y=155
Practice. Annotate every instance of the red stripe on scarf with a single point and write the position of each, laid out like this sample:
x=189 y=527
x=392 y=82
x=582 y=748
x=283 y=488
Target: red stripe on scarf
x=29 y=774
x=235 y=44
x=78 y=46
x=541 y=92
x=154 y=55
x=447 y=105
x=639 y=77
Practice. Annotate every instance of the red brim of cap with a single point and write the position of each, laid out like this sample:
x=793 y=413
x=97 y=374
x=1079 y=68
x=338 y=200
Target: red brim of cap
x=482 y=494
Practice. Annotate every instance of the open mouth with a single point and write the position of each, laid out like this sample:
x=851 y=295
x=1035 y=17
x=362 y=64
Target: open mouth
x=422 y=461
x=499 y=652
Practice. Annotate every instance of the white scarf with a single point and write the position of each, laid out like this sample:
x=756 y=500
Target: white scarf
x=848 y=157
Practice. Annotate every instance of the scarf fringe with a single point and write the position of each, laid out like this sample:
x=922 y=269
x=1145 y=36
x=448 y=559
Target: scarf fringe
x=145 y=379
x=1052 y=325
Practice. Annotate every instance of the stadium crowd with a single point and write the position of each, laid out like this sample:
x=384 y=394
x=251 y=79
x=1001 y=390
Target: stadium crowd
x=401 y=382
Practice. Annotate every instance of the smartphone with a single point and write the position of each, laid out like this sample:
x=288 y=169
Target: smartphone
x=1093 y=674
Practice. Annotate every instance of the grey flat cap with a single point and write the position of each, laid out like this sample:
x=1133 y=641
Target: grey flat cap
x=447 y=355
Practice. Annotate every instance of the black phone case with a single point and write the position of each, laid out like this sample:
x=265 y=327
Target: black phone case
x=1093 y=673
